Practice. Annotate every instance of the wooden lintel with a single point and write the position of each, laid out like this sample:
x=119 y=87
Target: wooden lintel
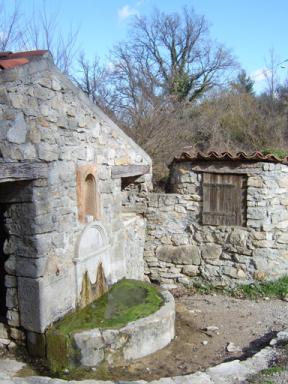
x=22 y=171
x=223 y=167
x=119 y=171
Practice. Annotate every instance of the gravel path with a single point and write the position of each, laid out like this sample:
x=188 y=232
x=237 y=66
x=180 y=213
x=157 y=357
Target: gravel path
x=245 y=324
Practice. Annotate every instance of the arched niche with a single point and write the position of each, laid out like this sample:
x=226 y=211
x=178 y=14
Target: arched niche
x=87 y=195
x=90 y=203
x=93 y=241
x=93 y=250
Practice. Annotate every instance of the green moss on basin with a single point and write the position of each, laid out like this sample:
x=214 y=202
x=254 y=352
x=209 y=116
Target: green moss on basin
x=126 y=301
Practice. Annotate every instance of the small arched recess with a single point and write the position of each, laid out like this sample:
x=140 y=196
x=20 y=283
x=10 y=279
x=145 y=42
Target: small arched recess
x=87 y=195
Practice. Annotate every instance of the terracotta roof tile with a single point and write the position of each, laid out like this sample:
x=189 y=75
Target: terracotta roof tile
x=7 y=64
x=10 y=60
x=228 y=156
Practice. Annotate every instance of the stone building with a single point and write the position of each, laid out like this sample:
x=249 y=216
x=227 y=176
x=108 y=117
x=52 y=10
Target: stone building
x=225 y=220
x=75 y=199
x=64 y=166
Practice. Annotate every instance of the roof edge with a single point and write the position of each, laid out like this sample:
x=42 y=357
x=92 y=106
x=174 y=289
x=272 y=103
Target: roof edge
x=10 y=60
x=256 y=156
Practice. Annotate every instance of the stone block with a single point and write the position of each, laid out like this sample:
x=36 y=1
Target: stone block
x=3 y=96
x=17 y=133
x=283 y=225
x=256 y=213
x=28 y=151
x=170 y=275
x=184 y=254
x=272 y=265
x=11 y=298
x=33 y=293
x=113 y=338
x=264 y=244
x=284 y=201
x=238 y=238
x=3 y=331
x=211 y=251
x=48 y=152
x=228 y=372
x=180 y=209
x=30 y=267
x=10 y=265
x=195 y=378
x=259 y=235
x=283 y=239
x=283 y=182
x=170 y=200
x=10 y=281
x=190 y=270
x=13 y=318
x=91 y=345
x=255 y=181
x=185 y=281
x=179 y=239
x=233 y=272
x=17 y=334
x=265 y=253
x=166 y=240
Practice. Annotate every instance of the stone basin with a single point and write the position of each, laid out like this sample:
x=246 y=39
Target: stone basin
x=137 y=339
x=131 y=320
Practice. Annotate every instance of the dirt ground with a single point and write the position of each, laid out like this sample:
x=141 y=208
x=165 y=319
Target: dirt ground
x=247 y=324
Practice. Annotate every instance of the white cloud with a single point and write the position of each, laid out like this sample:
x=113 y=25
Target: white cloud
x=126 y=11
x=259 y=74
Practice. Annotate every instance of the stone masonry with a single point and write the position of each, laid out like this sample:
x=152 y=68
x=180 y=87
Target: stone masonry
x=45 y=120
x=87 y=200
x=179 y=249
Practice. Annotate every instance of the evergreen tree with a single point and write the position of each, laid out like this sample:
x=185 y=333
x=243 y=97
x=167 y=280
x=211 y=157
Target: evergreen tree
x=243 y=83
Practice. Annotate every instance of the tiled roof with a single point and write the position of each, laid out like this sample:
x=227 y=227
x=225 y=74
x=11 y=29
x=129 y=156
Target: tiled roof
x=10 y=60
x=228 y=156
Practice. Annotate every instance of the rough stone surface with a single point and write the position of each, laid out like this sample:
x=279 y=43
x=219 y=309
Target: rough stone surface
x=179 y=249
x=91 y=345
x=232 y=372
x=182 y=254
x=139 y=338
x=45 y=120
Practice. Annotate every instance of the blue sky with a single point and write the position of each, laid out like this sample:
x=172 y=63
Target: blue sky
x=249 y=28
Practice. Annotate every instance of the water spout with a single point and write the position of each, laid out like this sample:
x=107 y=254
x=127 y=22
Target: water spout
x=101 y=284
x=91 y=292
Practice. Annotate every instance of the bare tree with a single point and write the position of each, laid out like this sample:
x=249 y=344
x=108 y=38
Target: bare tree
x=11 y=30
x=43 y=32
x=167 y=56
x=93 y=79
x=39 y=31
x=167 y=64
x=271 y=73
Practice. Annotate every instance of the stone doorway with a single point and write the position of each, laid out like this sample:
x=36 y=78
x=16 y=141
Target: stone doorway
x=3 y=258
x=15 y=207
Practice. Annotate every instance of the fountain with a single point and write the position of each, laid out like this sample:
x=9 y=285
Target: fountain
x=129 y=321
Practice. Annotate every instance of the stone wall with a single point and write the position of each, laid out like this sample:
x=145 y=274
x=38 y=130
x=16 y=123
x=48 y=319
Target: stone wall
x=45 y=118
x=179 y=249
